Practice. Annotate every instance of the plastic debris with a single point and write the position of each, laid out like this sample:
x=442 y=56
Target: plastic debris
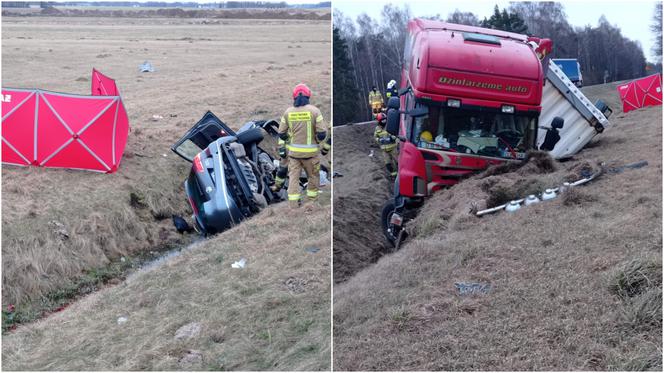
x=123 y=259
x=617 y=170
x=164 y=155
x=531 y=199
x=156 y=117
x=323 y=178
x=146 y=67
x=240 y=263
x=512 y=206
x=371 y=154
x=468 y=288
x=122 y=320
x=548 y=194
x=312 y=250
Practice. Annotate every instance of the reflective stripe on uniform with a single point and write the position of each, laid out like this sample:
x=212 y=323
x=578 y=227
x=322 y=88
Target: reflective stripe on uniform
x=301 y=116
x=319 y=119
x=293 y=197
x=302 y=148
x=281 y=142
x=312 y=193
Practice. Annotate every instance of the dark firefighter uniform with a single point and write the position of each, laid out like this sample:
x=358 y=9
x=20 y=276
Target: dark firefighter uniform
x=388 y=144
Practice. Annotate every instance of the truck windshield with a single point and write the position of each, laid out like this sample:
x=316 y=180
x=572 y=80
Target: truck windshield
x=481 y=132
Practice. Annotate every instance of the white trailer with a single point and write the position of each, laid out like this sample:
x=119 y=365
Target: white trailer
x=583 y=120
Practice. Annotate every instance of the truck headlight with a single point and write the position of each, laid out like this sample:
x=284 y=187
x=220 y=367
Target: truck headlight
x=454 y=103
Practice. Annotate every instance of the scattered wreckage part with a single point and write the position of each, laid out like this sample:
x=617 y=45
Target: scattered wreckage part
x=548 y=194
x=635 y=165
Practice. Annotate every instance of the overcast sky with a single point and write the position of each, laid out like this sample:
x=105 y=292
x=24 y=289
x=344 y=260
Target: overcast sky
x=632 y=17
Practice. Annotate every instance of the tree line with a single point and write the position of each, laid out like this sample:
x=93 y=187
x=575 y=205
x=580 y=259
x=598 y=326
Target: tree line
x=369 y=51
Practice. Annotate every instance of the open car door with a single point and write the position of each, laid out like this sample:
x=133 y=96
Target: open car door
x=203 y=133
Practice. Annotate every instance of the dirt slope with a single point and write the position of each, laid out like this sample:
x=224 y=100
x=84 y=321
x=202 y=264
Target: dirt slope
x=361 y=191
x=239 y=69
x=575 y=283
x=272 y=315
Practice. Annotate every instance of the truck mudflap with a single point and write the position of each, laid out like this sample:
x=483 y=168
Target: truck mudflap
x=561 y=98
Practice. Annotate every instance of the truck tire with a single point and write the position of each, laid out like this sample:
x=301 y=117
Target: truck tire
x=389 y=231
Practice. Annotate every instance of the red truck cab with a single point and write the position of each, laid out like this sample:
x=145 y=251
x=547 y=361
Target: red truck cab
x=470 y=97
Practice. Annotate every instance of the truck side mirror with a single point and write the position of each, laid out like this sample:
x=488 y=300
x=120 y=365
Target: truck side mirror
x=393 y=103
x=552 y=136
x=392 y=126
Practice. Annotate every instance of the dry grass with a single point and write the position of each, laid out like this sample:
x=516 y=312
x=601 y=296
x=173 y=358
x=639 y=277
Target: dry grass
x=223 y=67
x=251 y=318
x=551 y=268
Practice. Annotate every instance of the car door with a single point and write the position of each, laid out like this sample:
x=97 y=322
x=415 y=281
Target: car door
x=204 y=132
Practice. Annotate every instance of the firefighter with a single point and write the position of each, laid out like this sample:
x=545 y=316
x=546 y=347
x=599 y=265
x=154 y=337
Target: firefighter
x=375 y=101
x=302 y=129
x=387 y=143
x=391 y=89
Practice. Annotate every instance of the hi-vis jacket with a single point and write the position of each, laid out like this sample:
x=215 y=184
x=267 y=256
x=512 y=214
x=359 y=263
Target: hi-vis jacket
x=375 y=98
x=305 y=128
x=383 y=138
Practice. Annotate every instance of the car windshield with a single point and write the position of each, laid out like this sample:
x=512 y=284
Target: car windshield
x=489 y=133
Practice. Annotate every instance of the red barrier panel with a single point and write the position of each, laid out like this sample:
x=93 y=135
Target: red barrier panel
x=51 y=129
x=642 y=92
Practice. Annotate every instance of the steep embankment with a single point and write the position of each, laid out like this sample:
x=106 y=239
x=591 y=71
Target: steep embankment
x=575 y=283
x=272 y=315
x=362 y=190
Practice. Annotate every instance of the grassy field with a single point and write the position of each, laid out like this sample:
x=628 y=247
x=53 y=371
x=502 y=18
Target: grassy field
x=239 y=69
x=272 y=315
x=575 y=283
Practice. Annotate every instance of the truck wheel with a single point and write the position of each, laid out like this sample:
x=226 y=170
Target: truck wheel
x=390 y=231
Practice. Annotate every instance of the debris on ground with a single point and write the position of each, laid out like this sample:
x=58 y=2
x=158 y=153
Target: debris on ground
x=468 y=288
x=181 y=225
x=188 y=331
x=371 y=154
x=617 y=170
x=146 y=67
x=240 y=263
x=122 y=320
x=156 y=117
x=312 y=250
x=59 y=229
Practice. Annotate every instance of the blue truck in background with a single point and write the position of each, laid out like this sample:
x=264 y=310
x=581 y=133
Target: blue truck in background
x=571 y=68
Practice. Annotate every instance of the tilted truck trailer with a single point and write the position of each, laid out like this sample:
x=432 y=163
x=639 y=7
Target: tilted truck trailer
x=470 y=98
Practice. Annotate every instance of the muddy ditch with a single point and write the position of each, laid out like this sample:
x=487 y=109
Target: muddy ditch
x=359 y=196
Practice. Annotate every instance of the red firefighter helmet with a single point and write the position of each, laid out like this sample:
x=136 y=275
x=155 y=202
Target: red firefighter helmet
x=381 y=118
x=301 y=89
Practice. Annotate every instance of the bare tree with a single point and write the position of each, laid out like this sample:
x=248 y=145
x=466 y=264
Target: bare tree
x=656 y=28
x=463 y=18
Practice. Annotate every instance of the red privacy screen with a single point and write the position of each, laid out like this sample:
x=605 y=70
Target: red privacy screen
x=51 y=129
x=641 y=92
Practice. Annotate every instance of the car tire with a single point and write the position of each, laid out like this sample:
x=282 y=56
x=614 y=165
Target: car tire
x=254 y=135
